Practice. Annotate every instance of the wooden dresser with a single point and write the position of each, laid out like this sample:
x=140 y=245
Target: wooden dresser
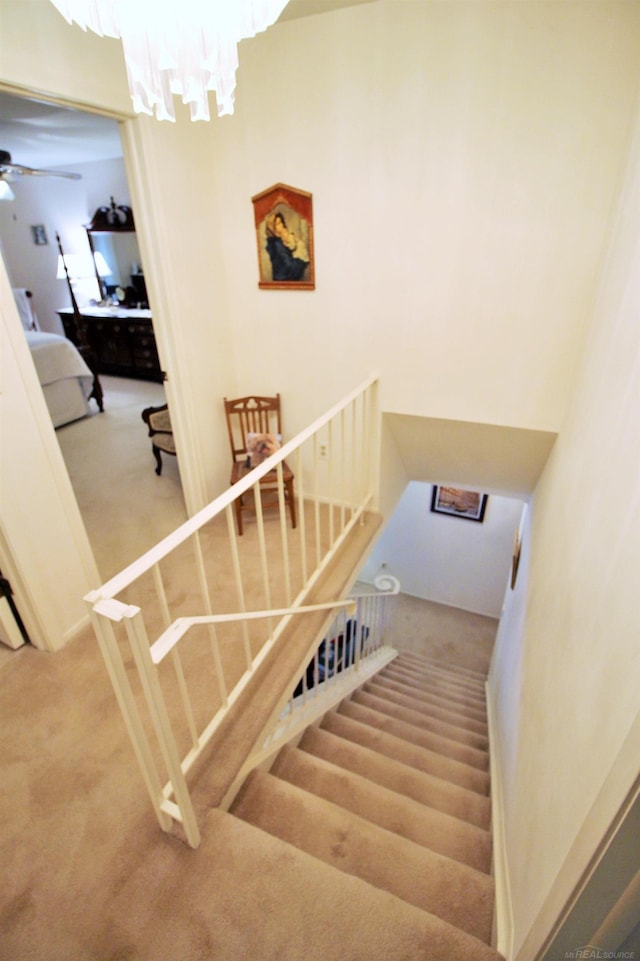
x=121 y=340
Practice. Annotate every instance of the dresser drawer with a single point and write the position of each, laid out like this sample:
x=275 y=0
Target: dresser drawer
x=118 y=345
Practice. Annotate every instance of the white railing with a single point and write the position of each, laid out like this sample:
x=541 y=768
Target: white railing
x=353 y=647
x=184 y=610
x=358 y=630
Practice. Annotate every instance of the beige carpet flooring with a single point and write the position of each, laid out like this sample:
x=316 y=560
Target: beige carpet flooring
x=125 y=506
x=89 y=876
x=444 y=633
x=88 y=873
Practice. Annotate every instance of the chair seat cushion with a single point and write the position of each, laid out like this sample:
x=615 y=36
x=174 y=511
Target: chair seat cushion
x=164 y=442
x=160 y=420
x=239 y=470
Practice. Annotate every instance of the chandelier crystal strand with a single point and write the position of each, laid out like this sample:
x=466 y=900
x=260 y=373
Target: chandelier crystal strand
x=176 y=47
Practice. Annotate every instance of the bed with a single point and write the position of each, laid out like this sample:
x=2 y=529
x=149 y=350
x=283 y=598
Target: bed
x=66 y=380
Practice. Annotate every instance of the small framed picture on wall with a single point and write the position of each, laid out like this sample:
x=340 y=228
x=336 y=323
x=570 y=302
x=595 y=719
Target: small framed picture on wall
x=470 y=505
x=39 y=235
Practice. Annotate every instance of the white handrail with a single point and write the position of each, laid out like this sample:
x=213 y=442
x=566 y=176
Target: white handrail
x=124 y=611
x=176 y=631
x=165 y=643
x=164 y=547
x=354 y=647
x=168 y=640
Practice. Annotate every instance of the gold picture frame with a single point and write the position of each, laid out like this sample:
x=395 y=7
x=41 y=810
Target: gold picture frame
x=284 y=235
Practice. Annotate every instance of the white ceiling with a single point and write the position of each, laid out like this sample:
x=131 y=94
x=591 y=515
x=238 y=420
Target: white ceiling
x=40 y=134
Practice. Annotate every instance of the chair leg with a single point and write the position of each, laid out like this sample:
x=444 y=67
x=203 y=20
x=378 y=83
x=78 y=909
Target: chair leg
x=292 y=502
x=156 y=454
x=239 y=516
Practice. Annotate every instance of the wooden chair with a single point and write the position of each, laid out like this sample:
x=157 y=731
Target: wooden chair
x=256 y=415
x=158 y=421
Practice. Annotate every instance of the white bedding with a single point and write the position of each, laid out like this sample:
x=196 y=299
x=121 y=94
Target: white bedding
x=65 y=378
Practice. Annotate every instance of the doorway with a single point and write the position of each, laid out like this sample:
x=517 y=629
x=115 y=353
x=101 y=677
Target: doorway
x=105 y=454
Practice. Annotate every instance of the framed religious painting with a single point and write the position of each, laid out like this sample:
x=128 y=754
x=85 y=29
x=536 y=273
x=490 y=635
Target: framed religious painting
x=284 y=234
x=470 y=505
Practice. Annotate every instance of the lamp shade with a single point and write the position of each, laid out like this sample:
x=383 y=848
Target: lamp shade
x=6 y=193
x=103 y=268
x=79 y=267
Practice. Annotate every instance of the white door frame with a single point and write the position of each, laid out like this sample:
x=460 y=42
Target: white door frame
x=23 y=560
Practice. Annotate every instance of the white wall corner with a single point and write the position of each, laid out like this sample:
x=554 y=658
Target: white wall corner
x=81 y=627
x=503 y=910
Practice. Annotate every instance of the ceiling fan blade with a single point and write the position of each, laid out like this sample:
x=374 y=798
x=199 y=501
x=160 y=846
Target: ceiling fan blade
x=9 y=168
x=21 y=170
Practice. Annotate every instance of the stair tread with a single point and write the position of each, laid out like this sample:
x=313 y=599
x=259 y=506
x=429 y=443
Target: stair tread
x=402 y=778
x=429 y=666
x=437 y=707
x=397 y=675
x=450 y=691
x=428 y=738
x=396 y=695
x=477 y=678
x=452 y=891
x=395 y=812
x=382 y=733
x=380 y=817
x=465 y=712
x=366 y=924
x=450 y=688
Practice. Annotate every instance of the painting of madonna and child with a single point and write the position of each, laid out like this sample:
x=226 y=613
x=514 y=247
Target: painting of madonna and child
x=284 y=232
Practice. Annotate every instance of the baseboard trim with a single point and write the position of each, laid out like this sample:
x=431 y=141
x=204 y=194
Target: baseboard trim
x=455 y=607
x=75 y=631
x=503 y=920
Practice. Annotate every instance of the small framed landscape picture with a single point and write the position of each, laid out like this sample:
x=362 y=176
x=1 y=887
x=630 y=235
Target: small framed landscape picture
x=469 y=505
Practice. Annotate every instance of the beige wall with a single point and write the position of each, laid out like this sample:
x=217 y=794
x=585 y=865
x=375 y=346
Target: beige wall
x=42 y=53
x=445 y=559
x=463 y=159
x=565 y=675
x=175 y=194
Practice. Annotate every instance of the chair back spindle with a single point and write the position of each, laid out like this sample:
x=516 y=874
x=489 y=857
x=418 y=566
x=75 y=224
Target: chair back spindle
x=256 y=414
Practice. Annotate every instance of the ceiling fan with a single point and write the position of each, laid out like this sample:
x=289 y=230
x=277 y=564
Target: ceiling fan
x=10 y=171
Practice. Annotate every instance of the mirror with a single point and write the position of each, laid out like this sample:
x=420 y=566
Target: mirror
x=114 y=246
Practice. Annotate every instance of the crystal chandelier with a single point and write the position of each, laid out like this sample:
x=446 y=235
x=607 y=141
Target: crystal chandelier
x=183 y=47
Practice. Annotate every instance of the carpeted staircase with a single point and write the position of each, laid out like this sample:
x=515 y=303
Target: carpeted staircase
x=389 y=797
